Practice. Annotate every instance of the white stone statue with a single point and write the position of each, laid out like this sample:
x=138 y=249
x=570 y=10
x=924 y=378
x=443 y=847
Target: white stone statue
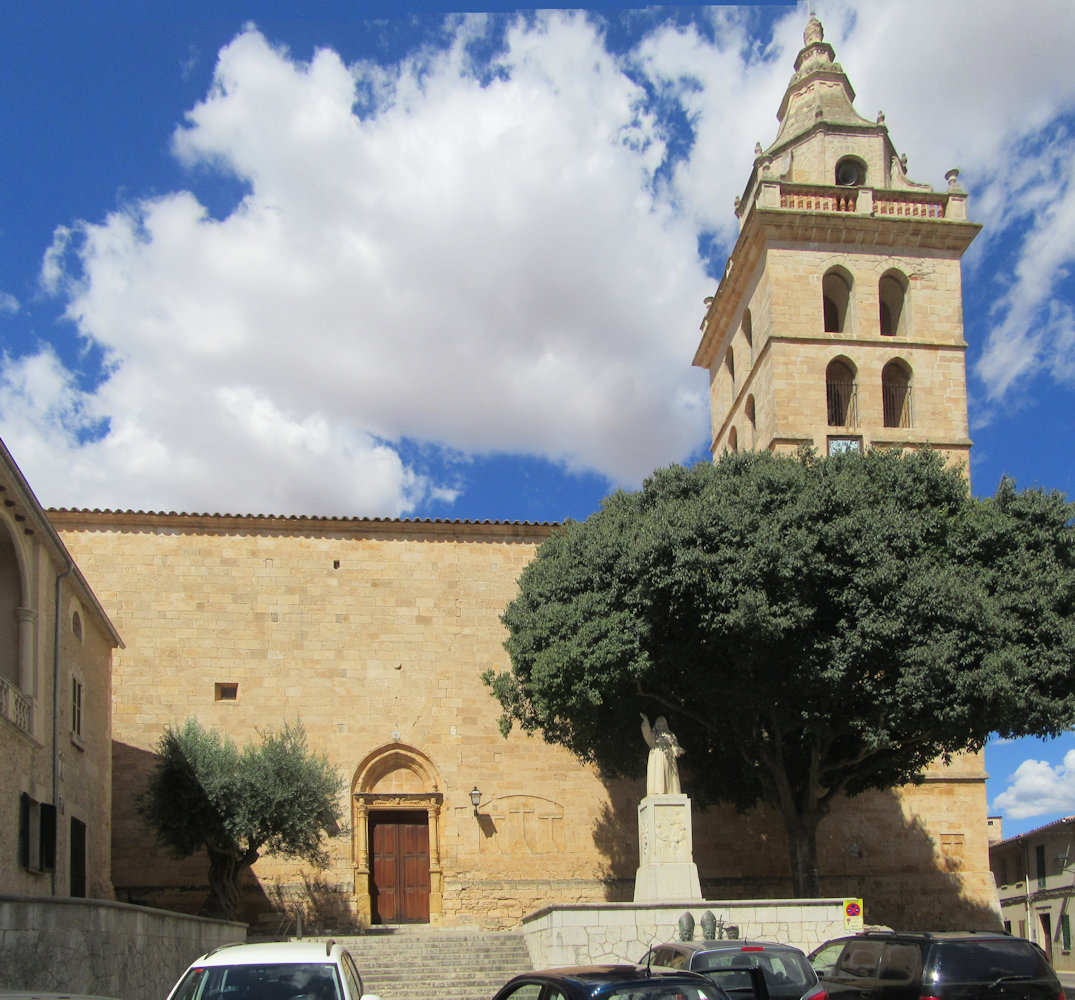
x=662 y=771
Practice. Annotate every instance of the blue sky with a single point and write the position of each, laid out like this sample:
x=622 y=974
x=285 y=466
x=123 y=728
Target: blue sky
x=395 y=259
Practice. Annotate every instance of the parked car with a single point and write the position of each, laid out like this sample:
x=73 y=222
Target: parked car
x=602 y=982
x=288 y=970
x=787 y=973
x=941 y=966
x=824 y=956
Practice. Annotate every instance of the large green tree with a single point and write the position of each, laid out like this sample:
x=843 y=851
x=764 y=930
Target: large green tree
x=273 y=796
x=810 y=627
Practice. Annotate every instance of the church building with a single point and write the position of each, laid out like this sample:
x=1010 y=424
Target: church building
x=837 y=323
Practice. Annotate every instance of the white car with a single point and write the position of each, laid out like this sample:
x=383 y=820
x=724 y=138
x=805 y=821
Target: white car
x=277 y=970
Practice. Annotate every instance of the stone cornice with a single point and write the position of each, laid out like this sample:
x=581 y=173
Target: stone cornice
x=525 y=532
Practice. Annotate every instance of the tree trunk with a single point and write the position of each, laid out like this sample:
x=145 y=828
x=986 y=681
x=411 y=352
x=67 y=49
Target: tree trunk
x=802 y=848
x=223 y=901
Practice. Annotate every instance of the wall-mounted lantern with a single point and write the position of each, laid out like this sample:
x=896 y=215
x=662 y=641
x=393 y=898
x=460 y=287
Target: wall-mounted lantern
x=475 y=799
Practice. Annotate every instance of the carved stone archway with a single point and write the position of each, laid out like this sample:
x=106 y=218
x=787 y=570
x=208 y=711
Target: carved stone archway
x=395 y=777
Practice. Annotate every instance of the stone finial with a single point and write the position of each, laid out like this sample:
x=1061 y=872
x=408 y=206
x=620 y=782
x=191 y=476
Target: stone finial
x=880 y=118
x=953 y=181
x=757 y=149
x=814 y=32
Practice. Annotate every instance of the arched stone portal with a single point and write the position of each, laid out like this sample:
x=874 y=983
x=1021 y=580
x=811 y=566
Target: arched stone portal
x=396 y=799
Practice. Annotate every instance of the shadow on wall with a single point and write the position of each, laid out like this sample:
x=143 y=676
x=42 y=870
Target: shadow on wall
x=145 y=873
x=867 y=848
x=615 y=836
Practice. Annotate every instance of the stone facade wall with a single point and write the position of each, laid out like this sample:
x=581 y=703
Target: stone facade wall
x=43 y=756
x=102 y=948
x=375 y=635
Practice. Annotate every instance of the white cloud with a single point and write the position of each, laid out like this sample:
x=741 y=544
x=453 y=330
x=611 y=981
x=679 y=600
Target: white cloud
x=476 y=265
x=9 y=304
x=488 y=264
x=1037 y=789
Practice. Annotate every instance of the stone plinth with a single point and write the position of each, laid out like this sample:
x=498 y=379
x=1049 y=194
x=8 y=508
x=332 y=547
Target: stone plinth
x=665 y=849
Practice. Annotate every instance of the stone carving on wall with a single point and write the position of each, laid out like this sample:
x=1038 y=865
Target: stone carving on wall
x=525 y=824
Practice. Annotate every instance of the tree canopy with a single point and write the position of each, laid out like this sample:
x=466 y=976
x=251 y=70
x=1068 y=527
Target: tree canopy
x=272 y=797
x=809 y=626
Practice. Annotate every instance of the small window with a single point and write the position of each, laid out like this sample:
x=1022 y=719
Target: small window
x=76 y=707
x=836 y=299
x=227 y=692
x=733 y=440
x=76 y=625
x=896 y=394
x=729 y=363
x=891 y=293
x=748 y=329
x=77 y=867
x=841 y=394
x=37 y=834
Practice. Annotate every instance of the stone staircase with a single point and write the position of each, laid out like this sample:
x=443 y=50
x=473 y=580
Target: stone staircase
x=417 y=962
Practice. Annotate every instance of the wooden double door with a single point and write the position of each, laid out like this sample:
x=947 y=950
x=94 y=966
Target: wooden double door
x=399 y=873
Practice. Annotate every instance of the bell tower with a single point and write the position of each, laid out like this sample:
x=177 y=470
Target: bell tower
x=838 y=322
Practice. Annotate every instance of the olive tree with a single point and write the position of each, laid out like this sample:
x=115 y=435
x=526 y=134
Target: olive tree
x=273 y=796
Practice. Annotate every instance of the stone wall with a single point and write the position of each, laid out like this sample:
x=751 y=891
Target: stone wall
x=623 y=932
x=100 y=947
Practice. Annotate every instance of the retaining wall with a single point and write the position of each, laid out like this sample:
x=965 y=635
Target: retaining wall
x=624 y=932
x=101 y=947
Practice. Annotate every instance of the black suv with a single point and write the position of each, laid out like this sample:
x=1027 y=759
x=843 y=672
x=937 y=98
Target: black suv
x=945 y=966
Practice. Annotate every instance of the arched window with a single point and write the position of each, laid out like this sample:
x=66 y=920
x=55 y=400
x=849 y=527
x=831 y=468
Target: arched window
x=896 y=394
x=836 y=299
x=748 y=329
x=892 y=292
x=850 y=172
x=729 y=363
x=751 y=418
x=733 y=440
x=841 y=394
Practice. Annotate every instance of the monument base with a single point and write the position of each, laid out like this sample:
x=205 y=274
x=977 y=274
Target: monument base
x=666 y=850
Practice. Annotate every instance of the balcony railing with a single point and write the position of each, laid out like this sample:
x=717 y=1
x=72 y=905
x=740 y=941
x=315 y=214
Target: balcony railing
x=813 y=199
x=842 y=400
x=896 y=400
x=919 y=206
x=15 y=706
x=877 y=202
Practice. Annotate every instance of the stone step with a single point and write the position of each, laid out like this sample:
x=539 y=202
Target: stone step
x=424 y=963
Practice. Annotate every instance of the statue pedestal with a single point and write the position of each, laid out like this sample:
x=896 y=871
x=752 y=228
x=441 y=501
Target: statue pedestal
x=666 y=868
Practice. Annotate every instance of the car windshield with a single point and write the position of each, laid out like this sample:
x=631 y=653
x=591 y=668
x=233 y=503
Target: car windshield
x=784 y=971
x=273 y=981
x=988 y=961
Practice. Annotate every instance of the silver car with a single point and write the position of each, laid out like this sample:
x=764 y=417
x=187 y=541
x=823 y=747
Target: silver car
x=786 y=971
